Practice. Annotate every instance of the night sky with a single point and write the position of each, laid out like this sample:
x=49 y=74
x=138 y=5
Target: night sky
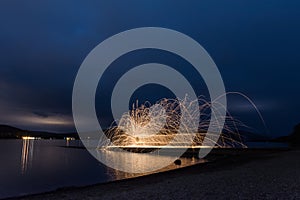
x=255 y=45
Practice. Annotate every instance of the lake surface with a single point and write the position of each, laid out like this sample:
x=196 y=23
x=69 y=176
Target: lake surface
x=34 y=166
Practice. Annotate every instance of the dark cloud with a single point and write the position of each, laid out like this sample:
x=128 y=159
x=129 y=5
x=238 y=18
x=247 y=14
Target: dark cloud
x=41 y=114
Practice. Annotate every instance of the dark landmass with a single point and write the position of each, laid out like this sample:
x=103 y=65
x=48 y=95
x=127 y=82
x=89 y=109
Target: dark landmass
x=9 y=132
x=293 y=139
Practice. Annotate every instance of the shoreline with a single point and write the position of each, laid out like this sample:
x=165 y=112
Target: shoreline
x=228 y=160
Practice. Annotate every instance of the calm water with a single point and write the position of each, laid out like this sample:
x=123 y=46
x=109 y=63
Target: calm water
x=33 y=166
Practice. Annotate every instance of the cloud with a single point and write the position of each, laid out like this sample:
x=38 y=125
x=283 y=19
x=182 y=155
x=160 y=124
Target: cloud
x=40 y=114
x=20 y=107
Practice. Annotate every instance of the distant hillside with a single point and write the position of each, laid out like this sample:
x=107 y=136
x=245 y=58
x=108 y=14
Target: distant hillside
x=293 y=139
x=9 y=132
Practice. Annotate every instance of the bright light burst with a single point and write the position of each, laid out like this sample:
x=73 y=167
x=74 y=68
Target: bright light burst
x=156 y=126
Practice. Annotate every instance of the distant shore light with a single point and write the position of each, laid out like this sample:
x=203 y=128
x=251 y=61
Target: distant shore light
x=28 y=138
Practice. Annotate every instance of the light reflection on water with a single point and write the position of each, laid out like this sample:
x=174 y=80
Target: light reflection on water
x=33 y=166
x=141 y=162
x=27 y=154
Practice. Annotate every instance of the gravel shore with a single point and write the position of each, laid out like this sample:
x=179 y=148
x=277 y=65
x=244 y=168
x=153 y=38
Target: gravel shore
x=274 y=175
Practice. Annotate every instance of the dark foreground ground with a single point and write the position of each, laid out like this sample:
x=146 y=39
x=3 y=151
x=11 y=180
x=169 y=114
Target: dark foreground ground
x=259 y=174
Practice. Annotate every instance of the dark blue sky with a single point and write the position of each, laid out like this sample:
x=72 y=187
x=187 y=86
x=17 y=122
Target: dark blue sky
x=255 y=45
